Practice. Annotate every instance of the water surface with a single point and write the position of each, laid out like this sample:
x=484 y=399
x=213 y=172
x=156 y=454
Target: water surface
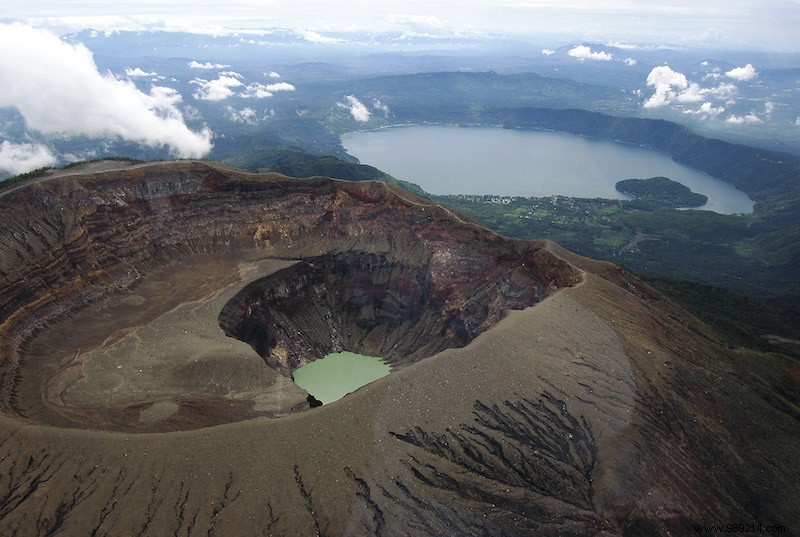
x=337 y=374
x=492 y=160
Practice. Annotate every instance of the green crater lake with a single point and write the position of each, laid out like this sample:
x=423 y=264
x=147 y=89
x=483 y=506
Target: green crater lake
x=337 y=374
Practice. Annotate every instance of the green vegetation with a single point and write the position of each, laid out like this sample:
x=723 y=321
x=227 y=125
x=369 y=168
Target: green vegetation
x=660 y=192
x=702 y=246
x=15 y=180
x=697 y=258
x=739 y=320
x=295 y=162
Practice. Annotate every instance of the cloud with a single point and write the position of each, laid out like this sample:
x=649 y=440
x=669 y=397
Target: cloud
x=706 y=111
x=548 y=51
x=625 y=46
x=314 y=37
x=215 y=90
x=247 y=116
x=208 y=65
x=749 y=119
x=138 y=72
x=673 y=87
x=21 y=158
x=582 y=52
x=257 y=90
x=797 y=121
x=273 y=74
x=382 y=107
x=629 y=61
x=742 y=74
x=356 y=108
x=666 y=82
x=723 y=91
x=58 y=90
x=190 y=113
x=769 y=108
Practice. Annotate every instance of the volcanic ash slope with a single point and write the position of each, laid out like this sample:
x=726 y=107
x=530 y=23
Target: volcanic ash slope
x=151 y=318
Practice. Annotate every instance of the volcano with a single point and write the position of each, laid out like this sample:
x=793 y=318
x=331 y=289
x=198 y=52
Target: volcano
x=152 y=315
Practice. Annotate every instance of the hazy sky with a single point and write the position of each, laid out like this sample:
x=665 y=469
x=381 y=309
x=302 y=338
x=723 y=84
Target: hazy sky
x=763 y=24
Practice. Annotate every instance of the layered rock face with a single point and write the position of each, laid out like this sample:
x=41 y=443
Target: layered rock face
x=372 y=305
x=378 y=271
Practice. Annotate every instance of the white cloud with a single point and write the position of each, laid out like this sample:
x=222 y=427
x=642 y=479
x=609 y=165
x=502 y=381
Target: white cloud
x=769 y=108
x=749 y=119
x=742 y=74
x=58 y=90
x=797 y=121
x=138 y=72
x=666 y=82
x=21 y=158
x=245 y=115
x=707 y=110
x=382 y=107
x=582 y=52
x=234 y=74
x=624 y=46
x=723 y=91
x=194 y=64
x=629 y=61
x=673 y=87
x=548 y=51
x=215 y=90
x=314 y=37
x=273 y=74
x=257 y=90
x=356 y=108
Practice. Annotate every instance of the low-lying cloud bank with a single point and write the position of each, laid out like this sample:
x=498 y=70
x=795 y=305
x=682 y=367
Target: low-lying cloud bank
x=357 y=109
x=21 y=158
x=58 y=90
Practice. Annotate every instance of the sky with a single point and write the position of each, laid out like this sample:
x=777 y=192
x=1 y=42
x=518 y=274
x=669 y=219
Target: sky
x=737 y=24
x=103 y=106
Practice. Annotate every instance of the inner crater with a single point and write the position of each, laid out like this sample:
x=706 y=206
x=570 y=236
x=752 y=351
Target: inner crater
x=374 y=305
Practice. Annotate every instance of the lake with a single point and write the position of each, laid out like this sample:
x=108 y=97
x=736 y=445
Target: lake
x=335 y=375
x=493 y=160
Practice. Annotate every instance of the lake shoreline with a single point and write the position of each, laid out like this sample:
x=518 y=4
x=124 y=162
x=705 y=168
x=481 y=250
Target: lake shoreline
x=525 y=162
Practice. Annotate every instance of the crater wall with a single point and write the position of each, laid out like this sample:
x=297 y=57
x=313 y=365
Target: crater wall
x=379 y=270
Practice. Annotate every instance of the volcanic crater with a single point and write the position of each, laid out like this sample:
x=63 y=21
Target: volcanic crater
x=176 y=296
x=175 y=300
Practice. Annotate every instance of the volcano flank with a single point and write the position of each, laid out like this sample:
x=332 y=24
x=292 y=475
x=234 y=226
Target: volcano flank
x=151 y=318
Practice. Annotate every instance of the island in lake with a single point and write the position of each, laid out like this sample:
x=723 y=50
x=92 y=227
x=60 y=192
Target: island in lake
x=661 y=192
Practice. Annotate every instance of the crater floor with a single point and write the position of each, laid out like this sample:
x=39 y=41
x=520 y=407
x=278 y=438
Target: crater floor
x=154 y=358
